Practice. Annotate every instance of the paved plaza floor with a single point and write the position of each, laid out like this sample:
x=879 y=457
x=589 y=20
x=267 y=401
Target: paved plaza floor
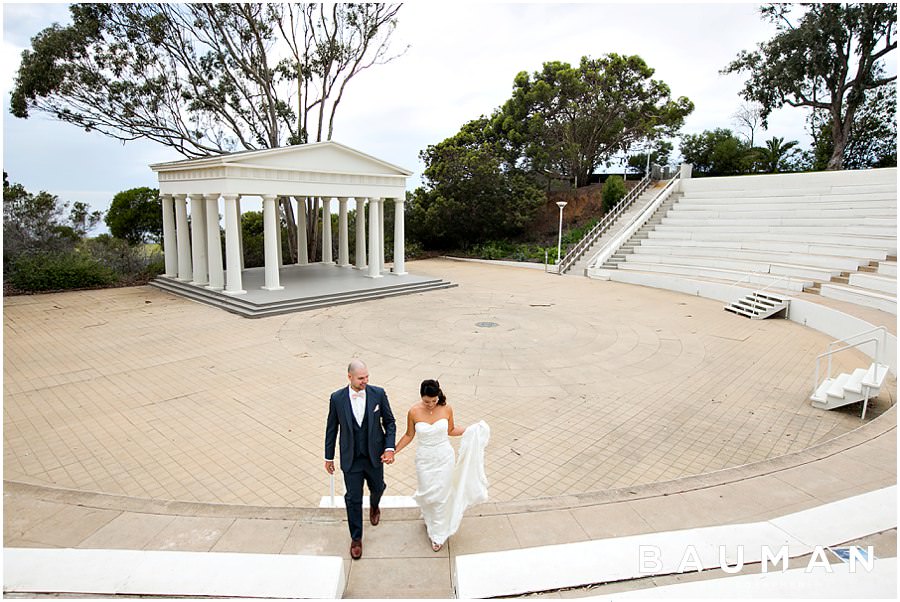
x=192 y=428
x=586 y=386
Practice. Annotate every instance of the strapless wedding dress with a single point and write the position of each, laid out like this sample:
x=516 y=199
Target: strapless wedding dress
x=446 y=487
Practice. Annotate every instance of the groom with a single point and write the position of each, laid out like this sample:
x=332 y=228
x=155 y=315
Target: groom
x=362 y=415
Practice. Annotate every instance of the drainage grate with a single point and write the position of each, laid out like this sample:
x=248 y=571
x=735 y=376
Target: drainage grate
x=486 y=324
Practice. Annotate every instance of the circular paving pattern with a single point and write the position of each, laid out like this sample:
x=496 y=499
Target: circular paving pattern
x=586 y=385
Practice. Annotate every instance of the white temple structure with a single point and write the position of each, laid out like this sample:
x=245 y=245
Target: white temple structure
x=211 y=187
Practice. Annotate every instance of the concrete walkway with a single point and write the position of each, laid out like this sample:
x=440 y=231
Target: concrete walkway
x=137 y=420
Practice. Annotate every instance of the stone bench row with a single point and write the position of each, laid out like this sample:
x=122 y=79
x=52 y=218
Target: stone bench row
x=829 y=262
x=748 y=212
x=873 y=247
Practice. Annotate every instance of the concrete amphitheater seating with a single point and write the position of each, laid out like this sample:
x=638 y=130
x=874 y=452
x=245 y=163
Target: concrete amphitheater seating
x=831 y=233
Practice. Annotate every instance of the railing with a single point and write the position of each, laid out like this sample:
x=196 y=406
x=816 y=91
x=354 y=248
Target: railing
x=752 y=273
x=879 y=341
x=600 y=227
x=636 y=222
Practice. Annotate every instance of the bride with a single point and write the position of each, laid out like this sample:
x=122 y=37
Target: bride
x=446 y=487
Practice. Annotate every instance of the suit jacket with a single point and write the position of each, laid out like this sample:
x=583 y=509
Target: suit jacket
x=382 y=430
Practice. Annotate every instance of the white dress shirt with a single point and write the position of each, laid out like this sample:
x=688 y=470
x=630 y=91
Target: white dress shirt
x=358 y=403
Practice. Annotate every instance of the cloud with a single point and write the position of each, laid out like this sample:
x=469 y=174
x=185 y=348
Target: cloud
x=460 y=65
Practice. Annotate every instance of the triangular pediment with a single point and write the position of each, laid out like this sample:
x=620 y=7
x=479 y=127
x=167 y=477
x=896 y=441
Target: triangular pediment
x=323 y=156
x=326 y=157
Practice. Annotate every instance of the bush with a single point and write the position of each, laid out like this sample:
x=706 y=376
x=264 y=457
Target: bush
x=512 y=251
x=123 y=259
x=613 y=192
x=58 y=271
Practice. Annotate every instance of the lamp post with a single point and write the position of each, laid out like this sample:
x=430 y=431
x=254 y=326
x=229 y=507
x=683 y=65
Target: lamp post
x=560 y=204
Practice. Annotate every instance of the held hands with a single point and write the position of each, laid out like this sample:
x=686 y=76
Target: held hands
x=387 y=457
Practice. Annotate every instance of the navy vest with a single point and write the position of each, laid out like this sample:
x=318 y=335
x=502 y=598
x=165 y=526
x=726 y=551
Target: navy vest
x=360 y=436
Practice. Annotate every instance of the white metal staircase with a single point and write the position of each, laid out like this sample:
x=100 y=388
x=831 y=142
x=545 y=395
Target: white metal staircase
x=861 y=385
x=760 y=305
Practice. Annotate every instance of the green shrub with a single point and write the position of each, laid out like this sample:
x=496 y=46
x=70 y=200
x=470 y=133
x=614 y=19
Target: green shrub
x=58 y=271
x=126 y=260
x=613 y=192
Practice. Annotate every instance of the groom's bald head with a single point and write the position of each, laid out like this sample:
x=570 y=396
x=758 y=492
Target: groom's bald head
x=358 y=374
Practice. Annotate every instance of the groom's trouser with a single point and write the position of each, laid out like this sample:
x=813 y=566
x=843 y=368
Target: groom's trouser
x=362 y=470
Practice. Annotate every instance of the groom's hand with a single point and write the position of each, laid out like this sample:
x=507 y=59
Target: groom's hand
x=387 y=457
x=329 y=466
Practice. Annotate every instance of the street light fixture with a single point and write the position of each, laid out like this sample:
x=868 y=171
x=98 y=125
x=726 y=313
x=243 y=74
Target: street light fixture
x=560 y=204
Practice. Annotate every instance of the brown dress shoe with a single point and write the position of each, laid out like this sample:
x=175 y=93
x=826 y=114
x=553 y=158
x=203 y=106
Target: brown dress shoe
x=374 y=515
x=356 y=549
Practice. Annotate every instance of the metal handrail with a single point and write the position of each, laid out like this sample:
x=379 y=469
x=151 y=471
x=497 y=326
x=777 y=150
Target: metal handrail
x=645 y=214
x=882 y=329
x=779 y=279
x=760 y=273
x=879 y=343
x=828 y=354
x=588 y=239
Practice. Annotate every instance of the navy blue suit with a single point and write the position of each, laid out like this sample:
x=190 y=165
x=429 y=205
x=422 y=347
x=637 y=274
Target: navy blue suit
x=361 y=448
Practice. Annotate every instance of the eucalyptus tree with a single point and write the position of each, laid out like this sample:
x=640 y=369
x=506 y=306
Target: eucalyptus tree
x=873 y=136
x=825 y=59
x=566 y=121
x=203 y=79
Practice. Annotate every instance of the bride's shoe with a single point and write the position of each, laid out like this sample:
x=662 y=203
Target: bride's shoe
x=436 y=546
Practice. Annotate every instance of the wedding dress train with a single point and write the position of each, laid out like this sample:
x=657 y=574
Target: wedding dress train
x=447 y=487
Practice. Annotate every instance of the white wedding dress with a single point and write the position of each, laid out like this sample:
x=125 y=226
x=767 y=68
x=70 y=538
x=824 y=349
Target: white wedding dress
x=447 y=487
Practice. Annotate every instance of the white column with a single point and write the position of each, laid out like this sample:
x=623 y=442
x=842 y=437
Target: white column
x=373 y=239
x=326 y=231
x=302 y=243
x=360 y=233
x=270 y=239
x=170 y=245
x=343 y=235
x=380 y=236
x=214 y=243
x=399 y=237
x=183 y=235
x=240 y=228
x=233 y=285
x=198 y=237
x=278 y=216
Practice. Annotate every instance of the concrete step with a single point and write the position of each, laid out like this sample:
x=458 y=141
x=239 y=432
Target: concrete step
x=886 y=245
x=690 y=206
x=794 y=270
x=782 y=246
x=860 y=296
x=738 y=219
x=831 y=262
x=874 y=282
x=887 y=268
x=719 y=274
x=235 y=304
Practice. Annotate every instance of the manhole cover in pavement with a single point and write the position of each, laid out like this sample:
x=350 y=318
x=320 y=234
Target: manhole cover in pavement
x=486 y=324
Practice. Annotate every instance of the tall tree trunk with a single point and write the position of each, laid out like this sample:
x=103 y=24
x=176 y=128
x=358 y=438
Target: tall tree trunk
x=839 y=138
x=288 y=209
x=312 y=228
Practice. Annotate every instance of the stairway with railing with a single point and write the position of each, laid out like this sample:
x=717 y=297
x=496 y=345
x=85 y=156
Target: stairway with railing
x=862 y=384
x=827 y=233
x=608 y=220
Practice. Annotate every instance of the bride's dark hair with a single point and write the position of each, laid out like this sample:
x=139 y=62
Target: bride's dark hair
x=432 y=388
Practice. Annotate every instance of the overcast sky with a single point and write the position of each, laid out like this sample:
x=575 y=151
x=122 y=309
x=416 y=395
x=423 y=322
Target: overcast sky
x=461 y=64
